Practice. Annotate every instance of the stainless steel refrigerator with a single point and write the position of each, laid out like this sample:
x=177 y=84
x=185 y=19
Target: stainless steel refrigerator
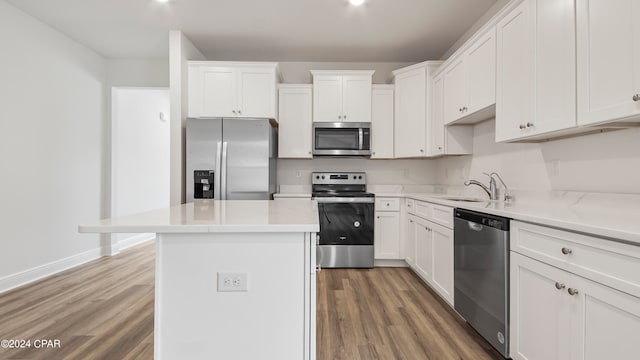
x=231 y=159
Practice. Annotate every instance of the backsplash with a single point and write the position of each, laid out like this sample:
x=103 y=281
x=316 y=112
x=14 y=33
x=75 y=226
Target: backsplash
x=605 y=162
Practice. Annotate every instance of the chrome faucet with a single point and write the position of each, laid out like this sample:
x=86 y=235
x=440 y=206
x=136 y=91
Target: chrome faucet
x=492 y=189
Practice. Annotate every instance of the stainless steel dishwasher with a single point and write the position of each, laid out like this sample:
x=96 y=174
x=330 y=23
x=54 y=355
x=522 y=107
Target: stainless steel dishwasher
x=481 y=275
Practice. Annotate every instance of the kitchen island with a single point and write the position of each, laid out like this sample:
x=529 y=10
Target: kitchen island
x=234 y=279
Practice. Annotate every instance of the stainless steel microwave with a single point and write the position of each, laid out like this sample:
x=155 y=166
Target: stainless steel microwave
x=342 y=138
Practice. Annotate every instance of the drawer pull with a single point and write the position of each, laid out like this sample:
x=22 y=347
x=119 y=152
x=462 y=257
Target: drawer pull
x=572 y=291
x=566 y=251
x=560 y=286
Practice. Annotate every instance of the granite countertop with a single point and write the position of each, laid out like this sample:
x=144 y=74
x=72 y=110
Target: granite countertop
x=209 y=216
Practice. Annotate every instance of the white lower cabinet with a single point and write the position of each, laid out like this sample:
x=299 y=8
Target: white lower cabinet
x=556 y=314
x=424 y=248
x=410 y=241
x=429 y=250
x=387 y=235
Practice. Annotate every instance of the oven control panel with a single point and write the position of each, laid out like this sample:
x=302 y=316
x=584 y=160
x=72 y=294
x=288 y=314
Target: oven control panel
x=347 y=178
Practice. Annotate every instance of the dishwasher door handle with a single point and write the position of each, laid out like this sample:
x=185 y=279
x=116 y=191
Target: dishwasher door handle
x=475 y=226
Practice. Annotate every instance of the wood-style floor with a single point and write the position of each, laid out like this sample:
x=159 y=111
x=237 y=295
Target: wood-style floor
x=104 y=310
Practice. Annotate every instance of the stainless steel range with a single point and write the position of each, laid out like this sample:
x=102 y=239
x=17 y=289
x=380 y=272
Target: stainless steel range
x=346 y=213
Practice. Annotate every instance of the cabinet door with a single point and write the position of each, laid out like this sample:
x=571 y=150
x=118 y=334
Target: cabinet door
x=424 y=249
x=442 y=280
x=387 y=235
x=219 y=91
x=540 y=310
x=456 y=95
x=327 y=98
x=608 y=43
x=382 y=123
x=356 y=98
x=436 y=120
x=608 y=321
x=410 y=242
x=294 y=117
x=514 y=78
x=555 y=66
x=410 y=119
x=256 y=92
x=481 y=70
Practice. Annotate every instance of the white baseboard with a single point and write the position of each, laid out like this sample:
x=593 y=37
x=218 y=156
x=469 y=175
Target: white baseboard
x=135 y=240
x=389 y=263
x=24 y=277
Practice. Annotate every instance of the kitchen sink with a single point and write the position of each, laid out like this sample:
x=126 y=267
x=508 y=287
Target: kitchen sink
x=463 y=199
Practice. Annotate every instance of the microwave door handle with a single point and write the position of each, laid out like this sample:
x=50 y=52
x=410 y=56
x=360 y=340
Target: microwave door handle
x=360 y=138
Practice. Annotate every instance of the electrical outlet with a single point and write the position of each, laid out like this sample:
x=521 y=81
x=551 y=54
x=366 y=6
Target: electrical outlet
x=229 y=282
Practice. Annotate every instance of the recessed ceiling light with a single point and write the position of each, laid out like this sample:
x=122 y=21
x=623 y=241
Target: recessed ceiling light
x=356 y=2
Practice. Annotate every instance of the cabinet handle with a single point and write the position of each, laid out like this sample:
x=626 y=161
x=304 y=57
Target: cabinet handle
x=373 y=153
x=636 y=97
x=439 y=147
x=421 y=150
x=566 y=251
x=560 y=286
x=378 y=216
x=460 y=110
x=239 y=112
x=339 y=116
x=344 y=117
x=522 y=126
x=465 y=109
x=233 y=111
x=309 y=152
x=411 y=221
x=529 y=124
x=388 y=204
x=572 y=291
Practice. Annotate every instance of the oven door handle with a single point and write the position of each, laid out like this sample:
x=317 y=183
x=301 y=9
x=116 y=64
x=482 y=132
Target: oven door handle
x=345 y=200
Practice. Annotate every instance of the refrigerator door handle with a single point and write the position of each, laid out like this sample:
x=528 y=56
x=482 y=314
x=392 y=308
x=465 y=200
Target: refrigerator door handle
x=216 y=187
x=223 y=182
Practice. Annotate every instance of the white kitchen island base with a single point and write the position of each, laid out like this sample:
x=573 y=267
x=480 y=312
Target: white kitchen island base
x=197 y=321
x=209 y=246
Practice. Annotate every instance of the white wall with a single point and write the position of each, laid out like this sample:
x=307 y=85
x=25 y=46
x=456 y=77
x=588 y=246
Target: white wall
x=379 y=172
x=180 y=51
x=138 y=72
x=607 y=162
x=140 y=155
x=52 y=111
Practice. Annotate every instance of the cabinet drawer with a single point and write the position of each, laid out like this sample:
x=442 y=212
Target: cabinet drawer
x=411 y=206
x=605 y=261
x=442 y=215
x=387 y=204
x=423 y=209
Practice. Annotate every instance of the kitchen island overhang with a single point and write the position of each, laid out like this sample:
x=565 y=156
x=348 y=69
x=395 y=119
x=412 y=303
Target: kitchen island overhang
x=234 y=279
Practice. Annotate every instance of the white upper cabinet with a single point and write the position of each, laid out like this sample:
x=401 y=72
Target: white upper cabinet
x=294 y=118
x=608 y=41
x=382 y=122
x=419 y=124
x=535 y=89
x=229 y=89
x=445 y=140
x=342 y=95
x=470 y=83
x=411 y=109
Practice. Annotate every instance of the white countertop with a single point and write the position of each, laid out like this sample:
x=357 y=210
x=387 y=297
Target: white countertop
x=203 y=216
x=613 y=216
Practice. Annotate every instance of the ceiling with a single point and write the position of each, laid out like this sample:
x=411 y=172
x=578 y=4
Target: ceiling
x=262 y=30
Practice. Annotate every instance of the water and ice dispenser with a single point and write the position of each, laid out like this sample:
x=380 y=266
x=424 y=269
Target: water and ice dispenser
x=203 y=184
